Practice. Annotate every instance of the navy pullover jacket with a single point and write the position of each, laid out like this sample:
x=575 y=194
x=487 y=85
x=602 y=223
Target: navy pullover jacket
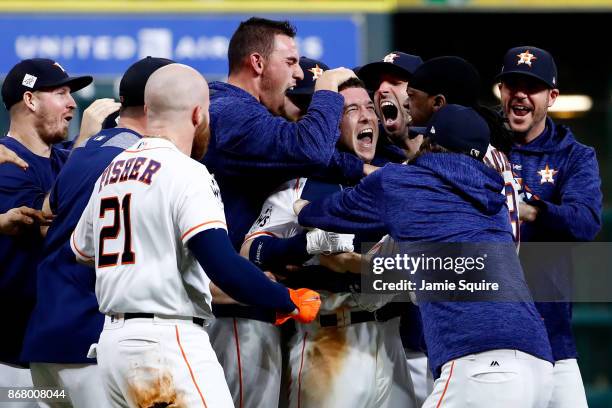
x=561 y=177
x=445 y=197
x=251 y=151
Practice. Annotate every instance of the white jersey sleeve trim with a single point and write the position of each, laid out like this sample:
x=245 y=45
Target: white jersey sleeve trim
x=78 y=252
x=202 y=227
x=258 y=233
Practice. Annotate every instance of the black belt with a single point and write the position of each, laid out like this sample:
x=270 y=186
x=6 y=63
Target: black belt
x=127 y=316
x=358 y=316
x=244 y=312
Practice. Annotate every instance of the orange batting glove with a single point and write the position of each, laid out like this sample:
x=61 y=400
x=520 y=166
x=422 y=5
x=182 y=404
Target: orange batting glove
x=307 y=303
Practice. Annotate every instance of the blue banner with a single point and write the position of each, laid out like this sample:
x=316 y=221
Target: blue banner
x=107 y=44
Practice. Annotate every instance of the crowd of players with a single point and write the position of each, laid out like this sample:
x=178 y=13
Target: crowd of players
x=309 y=165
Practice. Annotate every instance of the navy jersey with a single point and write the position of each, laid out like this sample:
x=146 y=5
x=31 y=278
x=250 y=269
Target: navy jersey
x=66 y=320
x=445 y=197
x=19 y=255
x=561 y=177
x=251 y=152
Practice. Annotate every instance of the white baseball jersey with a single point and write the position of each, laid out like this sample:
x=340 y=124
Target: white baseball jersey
x=278 y=219
x=144 y=208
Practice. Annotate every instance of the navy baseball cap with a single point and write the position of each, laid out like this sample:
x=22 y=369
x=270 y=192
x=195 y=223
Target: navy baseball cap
x=460 y=129
x=38 y=74
x=451 y=76
x=313 y=69
x=395 y=63
x=531 y=61
x=132 y=85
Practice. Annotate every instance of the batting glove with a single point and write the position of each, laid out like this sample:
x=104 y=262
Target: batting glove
x=307 y=303
x=323 y=242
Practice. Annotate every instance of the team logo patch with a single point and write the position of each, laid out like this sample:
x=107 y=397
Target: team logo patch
x=316 y=72
x=547 y=175
x=526 y=58
x=29 y=80
x=390 y=57
x=432 y=130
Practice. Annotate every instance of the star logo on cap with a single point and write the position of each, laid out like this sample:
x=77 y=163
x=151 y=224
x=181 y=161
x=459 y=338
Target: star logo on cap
x=547 y=175
x=390 y=57
x=59 y=66
x=526 y=58
x=316 y=72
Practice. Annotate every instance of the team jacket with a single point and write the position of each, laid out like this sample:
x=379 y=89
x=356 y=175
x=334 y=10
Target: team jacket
x=561 y=177
x=66 y=320
x=445 y=197
x=251 y=151
x=19 y=255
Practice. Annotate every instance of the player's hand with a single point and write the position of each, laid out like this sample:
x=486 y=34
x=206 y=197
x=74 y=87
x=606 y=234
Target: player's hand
x=307 y=304
x=9 y=156
x=528 y=212
x=323 y=242
x=331 y=78
x=16 y=219
x=94 y=116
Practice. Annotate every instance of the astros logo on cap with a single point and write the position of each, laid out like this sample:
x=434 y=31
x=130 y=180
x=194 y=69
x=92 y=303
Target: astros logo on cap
x=59 y=66
x=526 y=58
x=316 y=72
x=390 y=57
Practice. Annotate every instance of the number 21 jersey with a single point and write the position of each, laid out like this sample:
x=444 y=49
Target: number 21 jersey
x=145 y=207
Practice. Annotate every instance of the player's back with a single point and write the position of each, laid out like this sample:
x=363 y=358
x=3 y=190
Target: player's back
x=140 y=209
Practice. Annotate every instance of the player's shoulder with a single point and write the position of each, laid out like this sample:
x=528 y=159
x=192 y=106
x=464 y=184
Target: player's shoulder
x=230 y=100
x=11 y=173
x=120 y=138
x=15 y=146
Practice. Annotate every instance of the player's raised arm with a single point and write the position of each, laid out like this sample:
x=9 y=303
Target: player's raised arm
x=246 y=124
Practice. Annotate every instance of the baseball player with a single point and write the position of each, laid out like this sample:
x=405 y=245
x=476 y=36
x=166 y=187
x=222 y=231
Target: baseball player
x=253 y=150
x=324 y=356
x=447 y=194
x=560 y=194
x=153 y=349
x=252 y=359
x=389 y=80
x=37 y=94
x=66 y=320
